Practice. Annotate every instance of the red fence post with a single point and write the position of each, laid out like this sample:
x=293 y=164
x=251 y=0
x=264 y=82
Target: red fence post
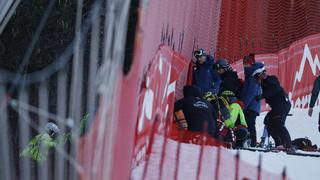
x=176 y=172
x=203 y=141
x=218 y=164
x=149 y=148
x=259 y=167
x=284 y=174
x=237 y=157
x=200 y=161
x=164 y=146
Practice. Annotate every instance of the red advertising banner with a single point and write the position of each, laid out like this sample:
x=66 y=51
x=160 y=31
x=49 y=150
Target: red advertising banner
x=296 y=66
x=157 y=98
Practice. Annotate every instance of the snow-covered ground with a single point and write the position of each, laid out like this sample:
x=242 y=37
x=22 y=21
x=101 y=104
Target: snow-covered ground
x=298 y=168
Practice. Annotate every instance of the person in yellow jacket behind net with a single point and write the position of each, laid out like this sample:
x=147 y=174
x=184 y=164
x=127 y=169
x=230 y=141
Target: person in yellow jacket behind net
x=234 y=128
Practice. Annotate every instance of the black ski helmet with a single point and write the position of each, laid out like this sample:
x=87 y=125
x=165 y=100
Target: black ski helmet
x=222 y=64
x=199 y=53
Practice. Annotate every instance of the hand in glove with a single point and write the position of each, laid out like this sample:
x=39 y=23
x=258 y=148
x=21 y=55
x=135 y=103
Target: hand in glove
x=258 y=98
x=183 y=124
x=310 y=111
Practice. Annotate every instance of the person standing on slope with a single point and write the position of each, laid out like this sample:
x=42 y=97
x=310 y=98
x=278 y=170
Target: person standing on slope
x=229 y=78
x=280 y=105
x=204 y=75
x=250 y=90
x=314 y=97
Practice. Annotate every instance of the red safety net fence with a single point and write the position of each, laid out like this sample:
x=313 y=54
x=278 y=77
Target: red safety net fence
x=265 y=26
x=164 y=152
x=226 y=29
x=167 y=33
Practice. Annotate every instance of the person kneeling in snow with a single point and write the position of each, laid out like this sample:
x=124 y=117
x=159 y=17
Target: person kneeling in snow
x=235 y=127
x=194 y=113
x=280 y=105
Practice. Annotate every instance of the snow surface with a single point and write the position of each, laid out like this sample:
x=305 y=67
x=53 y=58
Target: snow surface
x=298 y=168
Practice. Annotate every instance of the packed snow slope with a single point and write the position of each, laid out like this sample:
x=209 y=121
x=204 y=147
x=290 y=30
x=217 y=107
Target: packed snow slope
x=298 y=168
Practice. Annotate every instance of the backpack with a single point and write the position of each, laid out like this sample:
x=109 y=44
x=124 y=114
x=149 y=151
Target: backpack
x=304 y=144
x=220 y=104
x=223 y=107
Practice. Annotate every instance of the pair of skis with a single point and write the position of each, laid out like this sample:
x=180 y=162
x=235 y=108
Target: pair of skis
x=267 y=146
x=273 y=150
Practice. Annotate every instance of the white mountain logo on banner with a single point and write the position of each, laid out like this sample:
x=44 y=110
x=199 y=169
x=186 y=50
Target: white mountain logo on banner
x=314 y=64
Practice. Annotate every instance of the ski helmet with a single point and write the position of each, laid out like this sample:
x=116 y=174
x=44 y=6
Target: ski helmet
x=259 y=72
x=199 y=53
x=222 y=64
x=228 y=93
x=52 y=129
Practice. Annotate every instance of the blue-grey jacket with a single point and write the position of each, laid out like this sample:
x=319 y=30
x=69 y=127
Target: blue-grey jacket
x=205 y=77
x=251 y=89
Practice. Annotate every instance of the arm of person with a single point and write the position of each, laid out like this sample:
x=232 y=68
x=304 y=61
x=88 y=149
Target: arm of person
x=234 y=113
x=248 y=95
x=314 y=95
x=212 y=124
x=243 y=119
x=215 y=82
x=315 y=92
x=179 y=115
x=215 y=86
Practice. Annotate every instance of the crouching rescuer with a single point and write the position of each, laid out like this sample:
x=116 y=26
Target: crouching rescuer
x=232 y=126
x=194 y=113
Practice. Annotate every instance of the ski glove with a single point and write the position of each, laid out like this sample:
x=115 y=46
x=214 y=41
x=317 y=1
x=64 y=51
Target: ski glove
x=258 y=98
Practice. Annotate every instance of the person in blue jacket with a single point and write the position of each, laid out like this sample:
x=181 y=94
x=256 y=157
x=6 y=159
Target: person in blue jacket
x=250 y=90
x=204 y=75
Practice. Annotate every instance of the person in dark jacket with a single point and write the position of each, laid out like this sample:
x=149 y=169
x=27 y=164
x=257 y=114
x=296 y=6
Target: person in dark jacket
x=204 y=75
x=314 y=97
x=280 y=105
x=194 y=113
x=229 y=78
x=250 y=90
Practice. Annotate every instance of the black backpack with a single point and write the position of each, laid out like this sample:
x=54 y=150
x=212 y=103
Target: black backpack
x=304 y=144
x=219 y=104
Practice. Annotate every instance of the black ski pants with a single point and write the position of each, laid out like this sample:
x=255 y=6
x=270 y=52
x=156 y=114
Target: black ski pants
x=251 y=122
x=275 y=123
